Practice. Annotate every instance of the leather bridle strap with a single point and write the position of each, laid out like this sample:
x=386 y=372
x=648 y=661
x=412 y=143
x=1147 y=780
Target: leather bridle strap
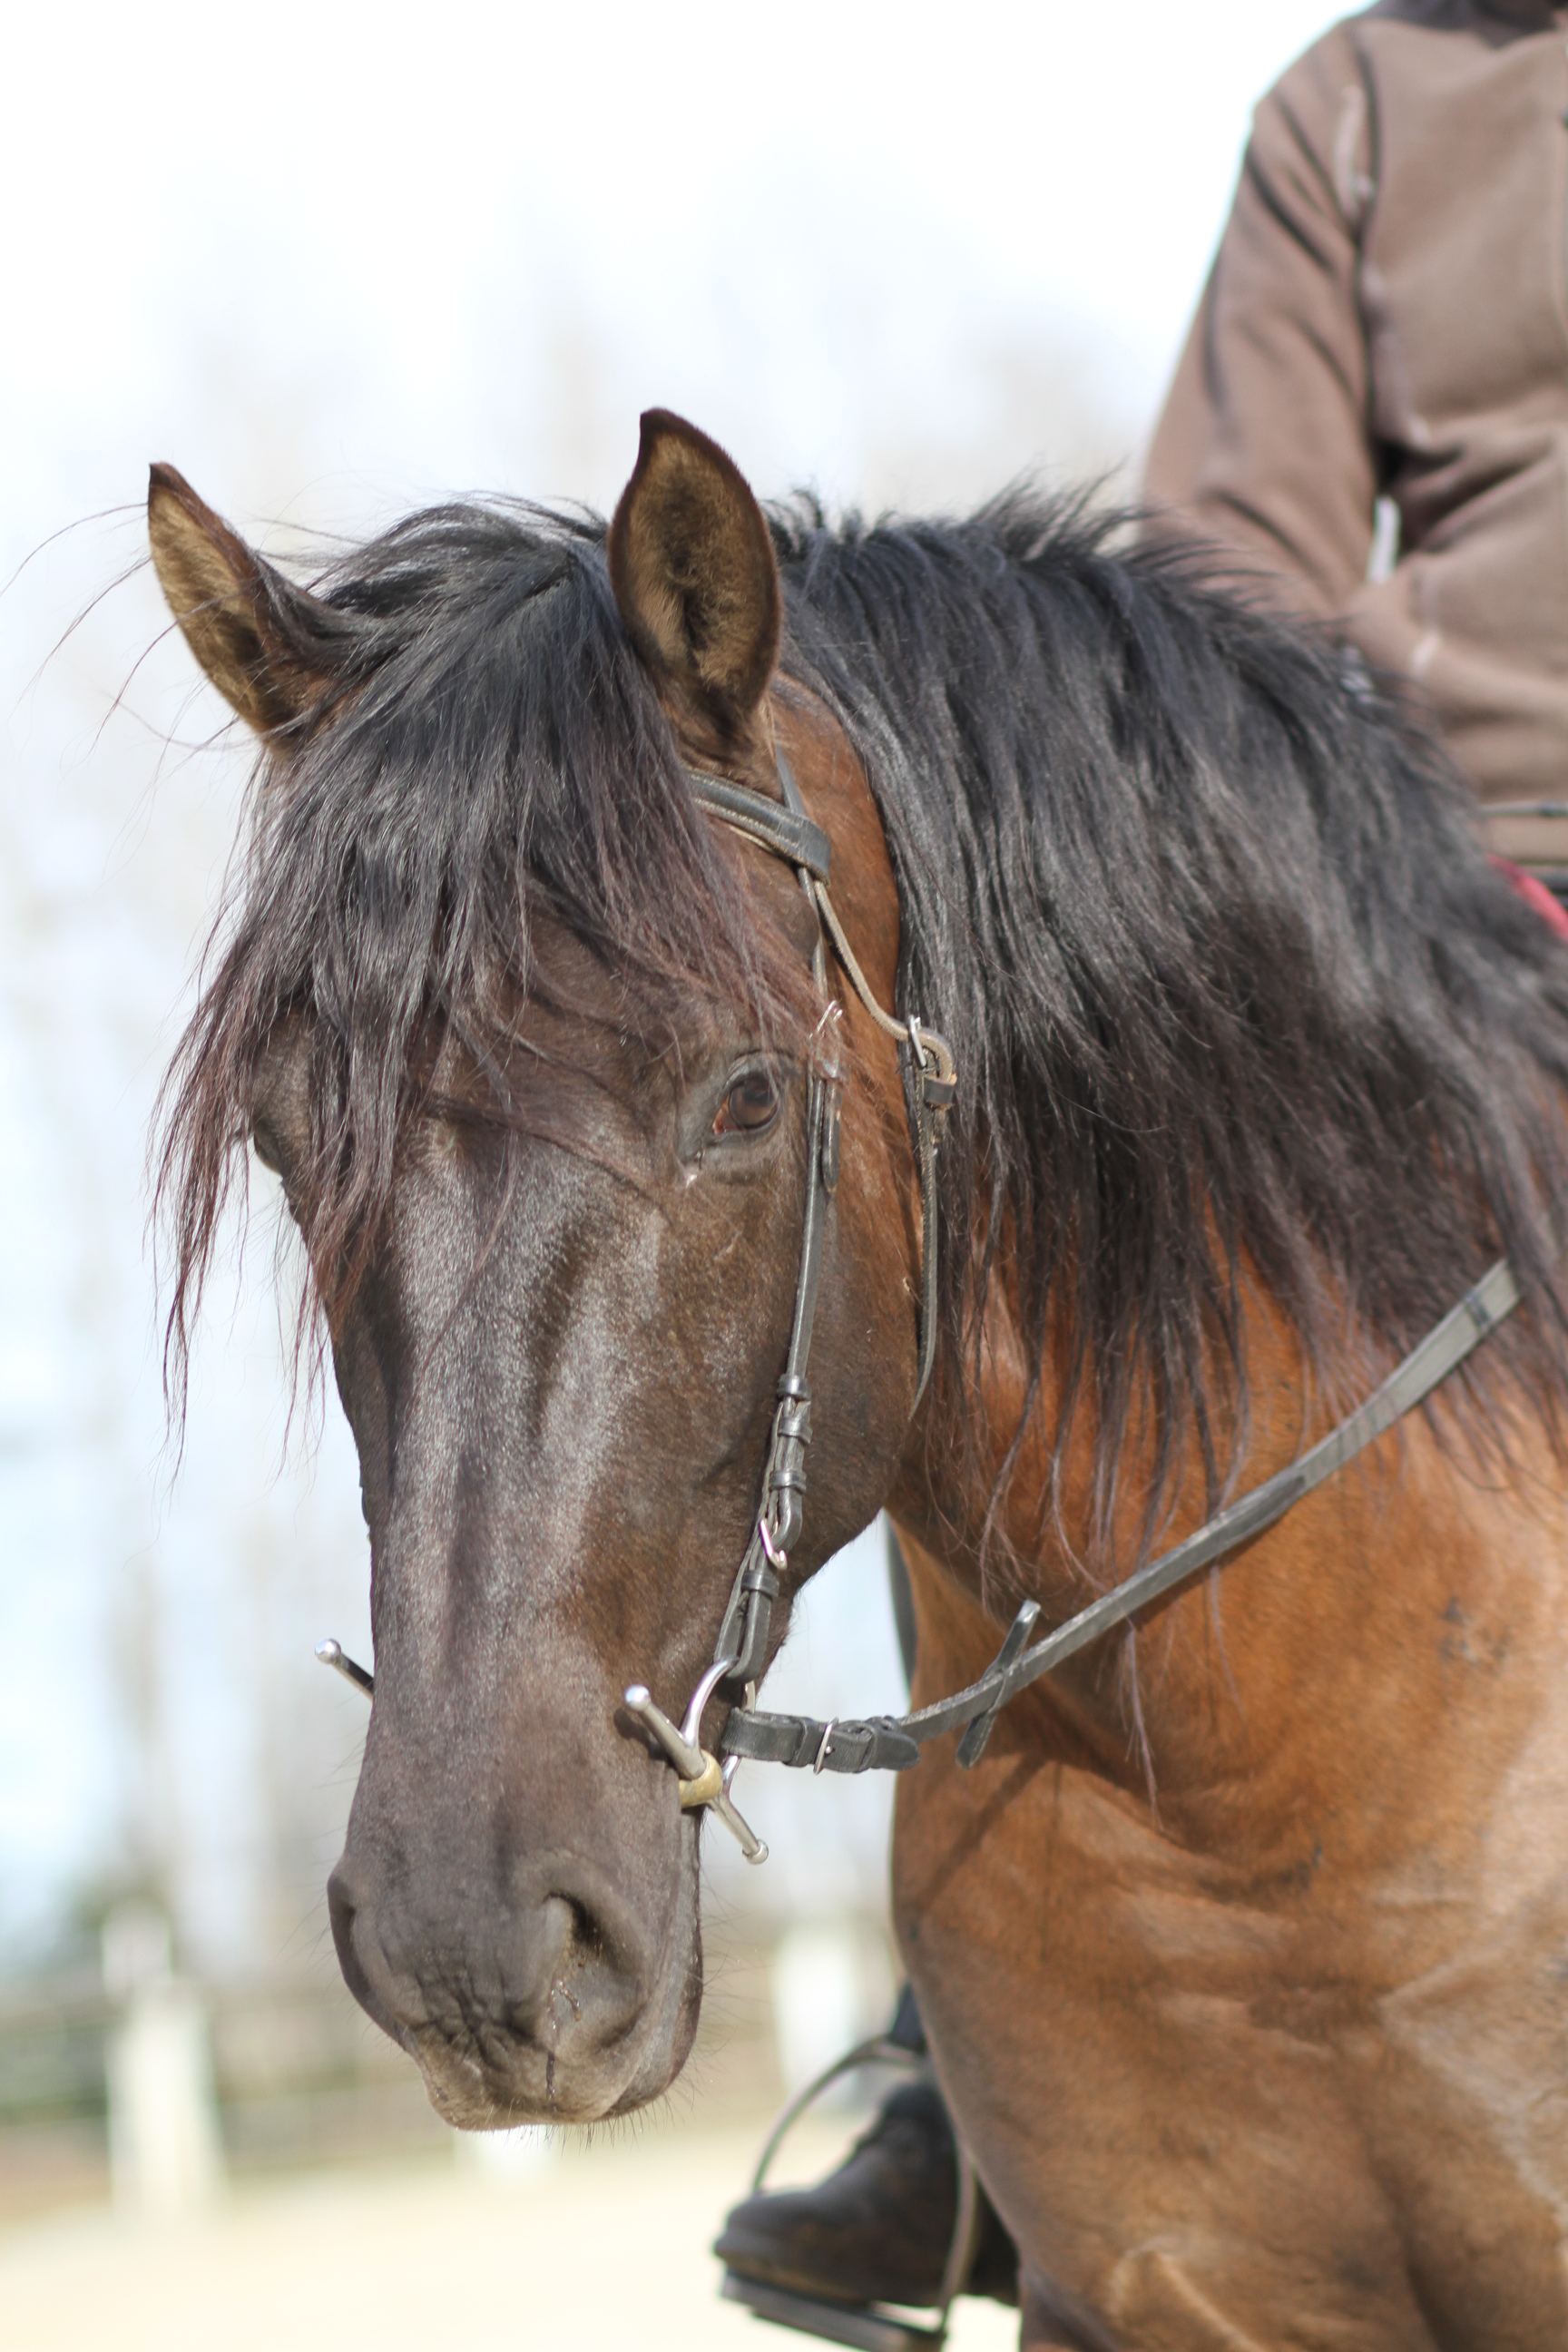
x=742 y=1648
x=790 y=833
x=784 y=828
x=742 y=1642
x=885 y=1743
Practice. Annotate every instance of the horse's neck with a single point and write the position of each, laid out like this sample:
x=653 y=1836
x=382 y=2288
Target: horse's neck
x=1397 y=1602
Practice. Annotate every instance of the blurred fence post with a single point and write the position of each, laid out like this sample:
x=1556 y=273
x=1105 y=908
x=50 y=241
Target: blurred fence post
x=831 y=1986
x=165 y=2154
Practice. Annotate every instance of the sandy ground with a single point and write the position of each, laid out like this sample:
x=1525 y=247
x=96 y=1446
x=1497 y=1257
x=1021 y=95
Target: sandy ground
x=606 y=2247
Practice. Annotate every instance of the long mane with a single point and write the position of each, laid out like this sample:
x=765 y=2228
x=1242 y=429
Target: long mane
x=1234 y=995
x=487 y=748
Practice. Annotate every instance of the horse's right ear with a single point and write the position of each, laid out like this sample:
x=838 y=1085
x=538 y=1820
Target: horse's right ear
x=691 y=563
x=266 y=646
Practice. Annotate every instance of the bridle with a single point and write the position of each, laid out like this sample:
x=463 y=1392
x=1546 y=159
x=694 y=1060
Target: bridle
x=740 y=1654
x=888 y=1744
x=883 y=1743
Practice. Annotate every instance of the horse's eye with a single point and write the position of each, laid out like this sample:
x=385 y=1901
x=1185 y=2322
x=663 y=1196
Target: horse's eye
x=750 y=1105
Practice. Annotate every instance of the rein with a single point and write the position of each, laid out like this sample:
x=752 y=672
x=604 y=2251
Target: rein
x=882 y=1743
x=890 y=1743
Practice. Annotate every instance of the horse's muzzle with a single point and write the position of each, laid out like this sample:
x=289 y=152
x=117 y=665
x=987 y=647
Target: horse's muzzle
x=562 y=2003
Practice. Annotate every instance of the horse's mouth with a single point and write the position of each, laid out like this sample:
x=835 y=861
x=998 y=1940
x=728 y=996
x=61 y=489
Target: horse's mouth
x=562 y=2071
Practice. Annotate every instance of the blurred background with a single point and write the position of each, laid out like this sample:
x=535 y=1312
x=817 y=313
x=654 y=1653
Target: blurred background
x=334 y=262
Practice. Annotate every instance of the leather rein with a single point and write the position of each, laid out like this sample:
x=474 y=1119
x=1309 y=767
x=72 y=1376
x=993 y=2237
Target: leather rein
x=882 y=1743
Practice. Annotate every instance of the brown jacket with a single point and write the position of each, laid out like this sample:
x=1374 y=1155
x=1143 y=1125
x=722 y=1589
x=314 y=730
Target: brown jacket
x=1388 y=313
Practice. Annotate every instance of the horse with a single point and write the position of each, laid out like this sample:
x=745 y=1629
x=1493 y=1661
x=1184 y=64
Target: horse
x=1243 y=1947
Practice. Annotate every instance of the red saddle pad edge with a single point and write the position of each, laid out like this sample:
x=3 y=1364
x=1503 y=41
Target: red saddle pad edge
x=1534 y=894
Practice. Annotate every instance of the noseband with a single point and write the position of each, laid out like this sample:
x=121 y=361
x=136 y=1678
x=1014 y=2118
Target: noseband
x=886 y=1743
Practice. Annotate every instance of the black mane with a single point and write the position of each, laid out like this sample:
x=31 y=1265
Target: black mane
x=487 y=746
x=1233 y=991
x=1232 y=987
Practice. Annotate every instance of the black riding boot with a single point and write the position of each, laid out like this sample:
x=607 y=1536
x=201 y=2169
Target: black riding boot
x=878 y=2230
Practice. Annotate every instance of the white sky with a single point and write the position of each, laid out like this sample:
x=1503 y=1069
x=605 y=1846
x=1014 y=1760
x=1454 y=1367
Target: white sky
x=331 y=261
x=386 y=211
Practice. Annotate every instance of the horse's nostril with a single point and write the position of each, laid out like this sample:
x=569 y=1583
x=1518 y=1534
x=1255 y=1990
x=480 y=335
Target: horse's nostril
x=525 y=1985
x=586 y=1943
x=343 y=1911
x=560 y=1977
x=582 y=1979
x=340 y=1909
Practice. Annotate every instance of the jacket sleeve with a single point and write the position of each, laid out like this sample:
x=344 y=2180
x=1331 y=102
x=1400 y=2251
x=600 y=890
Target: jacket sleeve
x=1264 y=444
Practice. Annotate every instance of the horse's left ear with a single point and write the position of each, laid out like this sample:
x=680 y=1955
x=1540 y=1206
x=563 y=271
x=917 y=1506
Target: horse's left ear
x=691 y=562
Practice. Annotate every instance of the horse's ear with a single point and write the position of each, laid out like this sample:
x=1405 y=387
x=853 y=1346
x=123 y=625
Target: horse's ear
x=266 y=646
x=691 y=562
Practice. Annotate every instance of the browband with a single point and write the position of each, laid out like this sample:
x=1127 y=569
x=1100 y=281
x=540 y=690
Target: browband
x=791 y=836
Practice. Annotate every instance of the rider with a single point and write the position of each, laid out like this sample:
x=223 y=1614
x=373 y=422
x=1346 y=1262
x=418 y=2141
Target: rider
x=1386 y=320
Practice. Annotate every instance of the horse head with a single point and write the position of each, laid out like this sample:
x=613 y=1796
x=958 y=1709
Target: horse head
x=528 y=1041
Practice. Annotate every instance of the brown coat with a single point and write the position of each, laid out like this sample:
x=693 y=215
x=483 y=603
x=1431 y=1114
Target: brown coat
x=1388 y=314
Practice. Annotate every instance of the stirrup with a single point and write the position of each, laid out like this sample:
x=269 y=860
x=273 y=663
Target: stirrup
x=866 y=2326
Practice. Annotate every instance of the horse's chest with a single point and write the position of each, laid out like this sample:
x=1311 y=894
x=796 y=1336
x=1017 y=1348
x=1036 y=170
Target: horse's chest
x=1269 y=2120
